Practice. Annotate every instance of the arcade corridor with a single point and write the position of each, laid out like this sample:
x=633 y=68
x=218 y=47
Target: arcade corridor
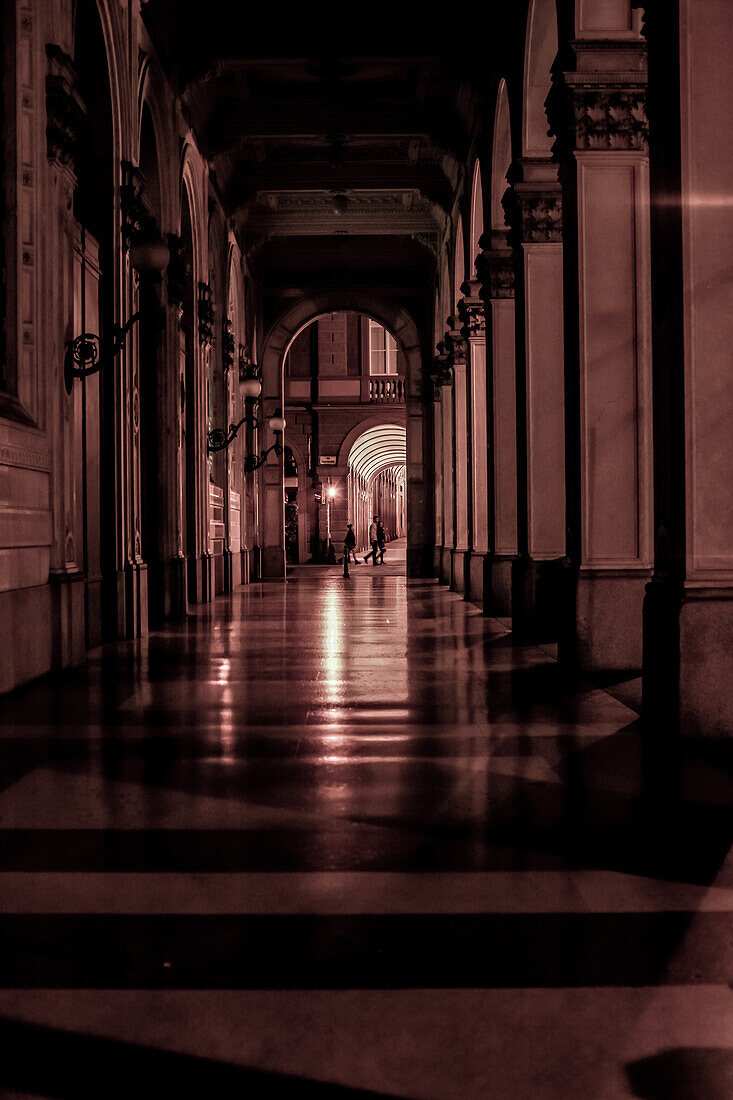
x=350 y=833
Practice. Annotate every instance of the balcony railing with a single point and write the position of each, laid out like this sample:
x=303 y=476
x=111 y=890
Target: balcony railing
x=387 y=390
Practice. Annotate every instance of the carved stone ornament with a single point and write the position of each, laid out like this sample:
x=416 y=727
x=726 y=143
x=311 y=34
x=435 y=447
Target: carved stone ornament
x=610 y=118
x=471 y=311
x=455 y=343
x=206 y=314
x=65 y=111
x=132 y=204
x=495 y=271
x=441 y=370
x=228 y=345
x=178 y=270
x=533 y=213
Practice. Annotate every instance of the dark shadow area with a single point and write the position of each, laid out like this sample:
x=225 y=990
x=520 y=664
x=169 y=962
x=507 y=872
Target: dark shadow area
x=684 y=1073
x=51 y=1063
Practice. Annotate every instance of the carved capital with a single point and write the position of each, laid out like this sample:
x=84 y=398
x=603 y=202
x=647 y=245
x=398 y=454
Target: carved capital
x=65 y=111
x=602 y=104
x=455 y=343
x=495 y=271
x=441 y=370
x=206 y=314
x=228 y=345
x=534 y=212
x=471 y=311
x=178 y=270
x=132 y=204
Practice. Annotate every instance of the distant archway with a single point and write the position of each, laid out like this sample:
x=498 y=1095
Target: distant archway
x=540 y=54
x=274 y=349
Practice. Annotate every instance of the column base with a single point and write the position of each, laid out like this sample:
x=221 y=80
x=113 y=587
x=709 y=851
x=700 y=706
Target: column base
x=458 y=571
x=499 y=594
x=445 y=573
x=167 y=590
x=538 y=595
x=608 y=621
x=273 y=563
x=688 y=661
x=199 y=578
x=478 y=578
x=420 y=561
x=136 y=599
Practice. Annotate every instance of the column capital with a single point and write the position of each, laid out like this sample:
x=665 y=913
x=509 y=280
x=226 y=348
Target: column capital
x=206 y=314
x=65 y=110
x=601 y=103
x=132 y=203
x=455 y=342
x=495 y=270
x=471 y=311
x=534 y=212
x=178 y=270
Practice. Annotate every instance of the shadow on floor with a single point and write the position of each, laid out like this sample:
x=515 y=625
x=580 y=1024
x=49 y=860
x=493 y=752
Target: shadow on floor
x=684 y=1073
x=45 y=1062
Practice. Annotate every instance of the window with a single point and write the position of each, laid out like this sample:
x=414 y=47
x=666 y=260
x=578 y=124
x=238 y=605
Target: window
x=382 y=350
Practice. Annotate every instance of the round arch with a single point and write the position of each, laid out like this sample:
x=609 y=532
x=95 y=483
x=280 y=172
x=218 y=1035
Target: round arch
x=539 y=56
x=477 y=212
x=501 y=156
x=272 y=359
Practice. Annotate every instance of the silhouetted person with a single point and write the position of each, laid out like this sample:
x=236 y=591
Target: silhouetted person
x=350 y=545
x=381 y=541
x=374 y=540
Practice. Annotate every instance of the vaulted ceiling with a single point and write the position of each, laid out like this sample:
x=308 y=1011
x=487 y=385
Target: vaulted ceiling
x=337 y=167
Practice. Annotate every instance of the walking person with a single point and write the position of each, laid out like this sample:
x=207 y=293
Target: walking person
x=374 y=540
x=381 y=541
x=350 y=545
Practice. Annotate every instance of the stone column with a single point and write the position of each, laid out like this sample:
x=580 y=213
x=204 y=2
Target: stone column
x=461 y=472
x=496 y=272
x=64 y=119
x=598 y=113
x=534 y=210
x=471 y=312
x=438 y=477
x=688 y=635
x=448 y=455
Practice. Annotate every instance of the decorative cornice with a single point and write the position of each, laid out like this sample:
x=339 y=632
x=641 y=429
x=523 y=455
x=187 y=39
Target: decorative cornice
x=206 y=314
x=495 y=271
x=65 y=111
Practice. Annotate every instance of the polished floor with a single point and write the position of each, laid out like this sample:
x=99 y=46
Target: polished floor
x=345 y=837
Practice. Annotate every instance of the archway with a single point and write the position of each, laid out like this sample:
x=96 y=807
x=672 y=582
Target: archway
x=275 y=347
x=376 y=481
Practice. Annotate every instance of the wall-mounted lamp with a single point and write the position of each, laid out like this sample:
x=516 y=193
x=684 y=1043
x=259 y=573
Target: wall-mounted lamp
x=86 y=354
x=219 y=440
x=250 y=388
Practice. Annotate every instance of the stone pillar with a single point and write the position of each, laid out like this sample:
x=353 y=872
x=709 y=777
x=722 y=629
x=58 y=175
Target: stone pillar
x=598 y=113
x=461 y=472
x=534 y=209
x=496 y=273
x=688 y=614
x=64 y=119
x=449 y=519
x=200 y=570
x=471 y=311
x=272 y=494
x=438 y=477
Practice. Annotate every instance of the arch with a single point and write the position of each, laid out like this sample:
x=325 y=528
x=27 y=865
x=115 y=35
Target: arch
x=539 y=56
x=477 y=211
x=152 y=94
x=459 y=265
x=274 y=348
x=149 y=160
x=284 y=330
x=501 y=156
x=385 y=416
x=378 y=448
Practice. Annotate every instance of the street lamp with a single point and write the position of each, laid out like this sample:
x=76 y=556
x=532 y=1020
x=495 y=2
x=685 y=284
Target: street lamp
x=86 y=354
x=250 y=389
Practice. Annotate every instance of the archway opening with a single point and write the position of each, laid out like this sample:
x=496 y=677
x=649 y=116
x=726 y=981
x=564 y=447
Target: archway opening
x=344 y=381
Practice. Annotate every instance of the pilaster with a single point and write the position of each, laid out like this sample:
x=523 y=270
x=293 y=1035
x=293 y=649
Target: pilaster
x=597 y=111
